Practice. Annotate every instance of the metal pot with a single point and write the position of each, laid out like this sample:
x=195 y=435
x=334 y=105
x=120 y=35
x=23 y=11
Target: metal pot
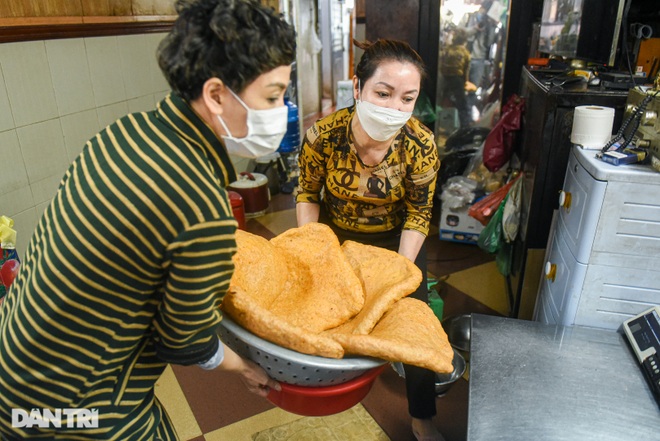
x=442 y=381
x=253 y=187
x=458 y=329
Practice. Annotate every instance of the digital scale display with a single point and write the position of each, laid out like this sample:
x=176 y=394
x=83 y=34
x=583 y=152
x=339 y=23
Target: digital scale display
x=643 y=333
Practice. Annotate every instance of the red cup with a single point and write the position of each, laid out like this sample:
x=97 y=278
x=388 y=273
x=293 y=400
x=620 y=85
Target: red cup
x=238 y=208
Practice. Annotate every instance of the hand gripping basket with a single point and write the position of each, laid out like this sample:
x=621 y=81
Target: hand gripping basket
x=293 y=367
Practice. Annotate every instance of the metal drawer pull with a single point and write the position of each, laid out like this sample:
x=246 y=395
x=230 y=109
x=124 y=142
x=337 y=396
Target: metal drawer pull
x=565 y=199
x=550 y=271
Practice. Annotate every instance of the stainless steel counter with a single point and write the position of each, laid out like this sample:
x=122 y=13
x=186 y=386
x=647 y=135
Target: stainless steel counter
x=530 y=381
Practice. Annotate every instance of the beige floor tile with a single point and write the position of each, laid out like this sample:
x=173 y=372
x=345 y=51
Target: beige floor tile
x=483 y=283
x=172 y=398
x=243 y=430
x=354 y=424
x=278 y=222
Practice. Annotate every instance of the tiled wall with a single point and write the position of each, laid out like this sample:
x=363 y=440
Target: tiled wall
x=54 y=96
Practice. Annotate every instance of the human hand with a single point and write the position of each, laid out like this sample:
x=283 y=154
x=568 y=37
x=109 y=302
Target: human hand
x=470 y=87
x=257 y=380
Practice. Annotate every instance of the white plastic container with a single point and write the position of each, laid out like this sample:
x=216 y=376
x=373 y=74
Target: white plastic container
x=253 y=187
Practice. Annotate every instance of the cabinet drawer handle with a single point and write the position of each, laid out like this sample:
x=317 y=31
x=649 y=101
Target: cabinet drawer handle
x=550 y=271
x=565 y=199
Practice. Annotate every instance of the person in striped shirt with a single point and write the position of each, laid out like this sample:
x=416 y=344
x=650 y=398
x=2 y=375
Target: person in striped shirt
x=129 y=263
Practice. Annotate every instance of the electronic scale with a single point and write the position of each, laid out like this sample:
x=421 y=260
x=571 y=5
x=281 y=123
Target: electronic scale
x=643 y=332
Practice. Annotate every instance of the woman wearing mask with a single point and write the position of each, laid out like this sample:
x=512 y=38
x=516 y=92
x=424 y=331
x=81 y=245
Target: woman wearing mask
x=369 y=172
x=129 y=263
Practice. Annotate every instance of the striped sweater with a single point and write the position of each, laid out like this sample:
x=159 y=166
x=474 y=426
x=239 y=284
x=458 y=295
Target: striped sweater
x=124 y=274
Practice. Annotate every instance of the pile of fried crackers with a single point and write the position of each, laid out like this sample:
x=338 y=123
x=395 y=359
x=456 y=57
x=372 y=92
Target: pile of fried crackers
x=304 y=291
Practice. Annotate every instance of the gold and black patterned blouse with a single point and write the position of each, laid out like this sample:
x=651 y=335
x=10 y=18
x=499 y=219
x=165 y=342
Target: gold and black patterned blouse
x=397 y=193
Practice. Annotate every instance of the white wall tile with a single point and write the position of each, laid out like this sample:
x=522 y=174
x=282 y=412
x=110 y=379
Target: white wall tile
x=137 y=60
x=42 y=145
x=154 y=39
x=40 y=208
x=24 y=223
x=54 y=96
x=6 y=118
x=141 y=104
x=14 y=176
x=160 y=96
x=27 y=77
x=44 y=190
x=105 y=70
x=109 y=114
x=79 y=128
x=16 y=201
x=158 y=81
x=70 y=74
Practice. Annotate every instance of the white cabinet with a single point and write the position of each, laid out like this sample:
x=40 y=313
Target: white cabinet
x=603 y=260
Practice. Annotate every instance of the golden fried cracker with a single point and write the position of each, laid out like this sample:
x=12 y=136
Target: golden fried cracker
x=409 y=332
x=246 y=311
x=386 y=277
x=259 y=269
x=321 y=291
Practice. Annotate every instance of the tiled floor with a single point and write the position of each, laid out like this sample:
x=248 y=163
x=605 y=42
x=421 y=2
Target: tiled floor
x=214 y=406
x=202 y=403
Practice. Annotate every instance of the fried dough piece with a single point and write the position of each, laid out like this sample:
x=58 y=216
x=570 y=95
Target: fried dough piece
x=259 y=268
x=386 y=277
x=246 y=311
x=321 y=291
x=409 y=332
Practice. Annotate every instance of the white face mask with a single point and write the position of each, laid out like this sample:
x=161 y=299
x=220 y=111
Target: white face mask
x=380 y=123
x=266 y=129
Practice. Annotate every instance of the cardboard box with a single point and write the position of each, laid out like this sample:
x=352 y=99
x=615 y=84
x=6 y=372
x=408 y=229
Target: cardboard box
x=458 y=226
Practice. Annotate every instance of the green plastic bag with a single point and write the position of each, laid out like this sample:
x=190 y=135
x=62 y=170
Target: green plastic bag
x=491 y=237
x=434 y=300
x=436 y=303
x=424 y=110
x=503 y=258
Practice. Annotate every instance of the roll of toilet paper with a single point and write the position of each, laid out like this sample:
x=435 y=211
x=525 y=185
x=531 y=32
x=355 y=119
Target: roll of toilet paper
x=592 y=126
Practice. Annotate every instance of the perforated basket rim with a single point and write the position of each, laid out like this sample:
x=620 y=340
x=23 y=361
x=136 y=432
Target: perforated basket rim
x=349 y=363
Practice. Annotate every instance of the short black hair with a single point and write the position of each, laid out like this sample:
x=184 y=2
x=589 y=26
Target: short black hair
x=234 y=40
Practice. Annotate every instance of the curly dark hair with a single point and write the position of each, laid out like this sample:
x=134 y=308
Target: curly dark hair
x=385 y=50
x=234 y=40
